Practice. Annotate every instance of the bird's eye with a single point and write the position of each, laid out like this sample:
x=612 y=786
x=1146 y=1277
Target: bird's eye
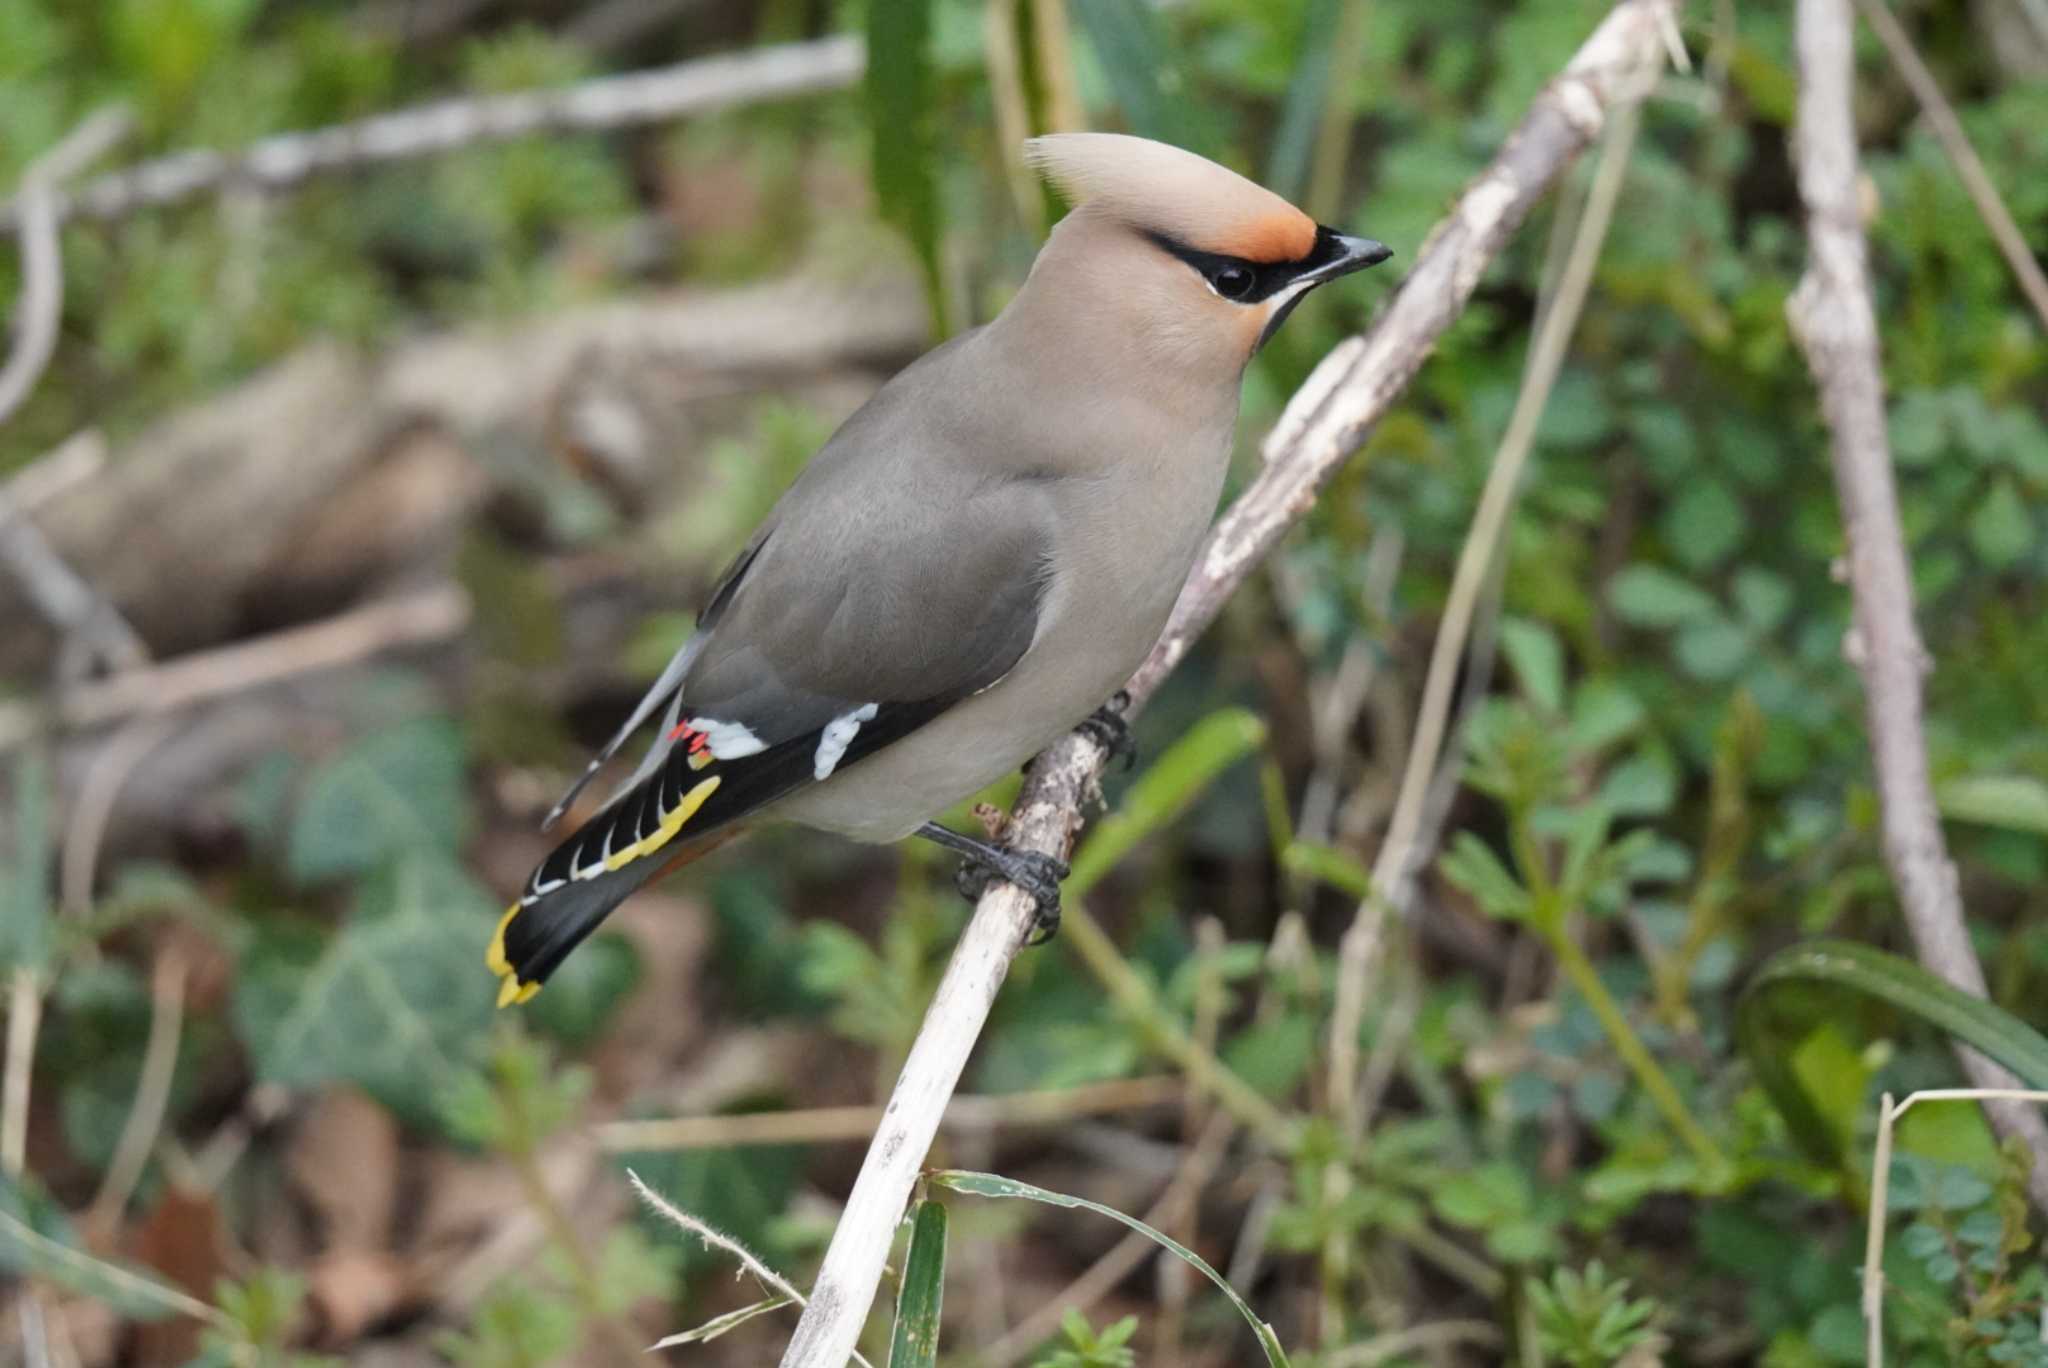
x=1232 y=282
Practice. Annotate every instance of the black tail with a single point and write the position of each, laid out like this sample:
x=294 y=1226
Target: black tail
x=534 y=937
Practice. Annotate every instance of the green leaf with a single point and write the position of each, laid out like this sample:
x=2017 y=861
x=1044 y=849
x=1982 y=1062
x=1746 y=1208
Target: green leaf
x=1471 y=865
x=1538 y=660
x=1650 y=596
x=1301 y=115
x=2014 y=802
x=1704 y=523
x=1644 y=785
x=394 y=1002
x=1143 y=80
x=1712 y=649
x=1765 y=1023
x=25 y=878
x=1273 y=1056
x=36 y=1241
x=398 y=790
x=915 y=1341
x=1603 y=712
x=995 y=1185
x=1165 y=790
x=903 y=115
x=2001 y=528
x=1763 y=597
x=1330 y=866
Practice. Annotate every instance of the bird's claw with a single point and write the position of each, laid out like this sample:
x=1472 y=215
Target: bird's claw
x=1108 y=728
x=1036 y=874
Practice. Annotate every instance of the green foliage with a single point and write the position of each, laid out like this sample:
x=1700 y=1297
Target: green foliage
x=25 y=887
x=261 y=1313
x=1586 y=1320
x=1785 y=982
x=392 y=1002
x=396 y=791
x=514 y=1327
x=903 y=116
x=1670 y=777
x=1085 y=1347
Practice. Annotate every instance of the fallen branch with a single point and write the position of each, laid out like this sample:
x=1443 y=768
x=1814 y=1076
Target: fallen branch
x=420 y=618
x=1835 y=321
x=609 y=102
x=1353 y=387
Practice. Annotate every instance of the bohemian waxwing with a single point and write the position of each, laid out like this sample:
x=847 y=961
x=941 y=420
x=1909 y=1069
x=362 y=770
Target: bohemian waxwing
x=978 y=557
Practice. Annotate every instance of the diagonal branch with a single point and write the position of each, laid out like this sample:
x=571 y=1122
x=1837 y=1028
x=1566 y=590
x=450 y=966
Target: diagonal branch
x=1948 y=131
x=1350 y=391
x=1835 y=320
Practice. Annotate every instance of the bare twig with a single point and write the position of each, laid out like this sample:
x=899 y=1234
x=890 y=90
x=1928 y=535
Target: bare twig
x=609 y=102
x=1356 y=384
x=41 y=302
x=152 y=1092
x=1051 y=1106
x=1880 y=1191
x=93 y=809
x=1395 y=867
x=1948 y=131
x=1402 y=853
x=91 y=627
x=1834 y=318
x=24 y=1020
x=718 y=1239
x=38 y=212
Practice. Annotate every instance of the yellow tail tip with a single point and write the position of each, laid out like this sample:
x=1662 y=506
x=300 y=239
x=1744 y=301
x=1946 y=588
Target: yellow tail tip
x=511 y=991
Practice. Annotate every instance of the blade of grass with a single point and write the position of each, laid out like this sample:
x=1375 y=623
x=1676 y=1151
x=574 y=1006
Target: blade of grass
x=2011 y=801
x=1132 y=54
x=915 y=1342
x=1301 y=114
x=718 y=1325
x=995 y=1185
x=902 y=107
x=1881 y=977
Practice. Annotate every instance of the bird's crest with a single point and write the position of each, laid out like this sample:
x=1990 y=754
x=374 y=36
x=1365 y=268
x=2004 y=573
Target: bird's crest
x=1163 y=189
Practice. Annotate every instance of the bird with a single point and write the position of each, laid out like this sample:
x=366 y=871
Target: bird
x=978 y=557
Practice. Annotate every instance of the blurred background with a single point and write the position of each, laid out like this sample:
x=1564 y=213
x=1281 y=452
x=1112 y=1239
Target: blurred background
x=383 y=477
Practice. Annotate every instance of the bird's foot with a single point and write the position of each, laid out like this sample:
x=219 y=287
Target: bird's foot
x=1110 y=729
x=1036 y=874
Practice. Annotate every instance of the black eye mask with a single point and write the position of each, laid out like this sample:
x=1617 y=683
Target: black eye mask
x=1251 y=282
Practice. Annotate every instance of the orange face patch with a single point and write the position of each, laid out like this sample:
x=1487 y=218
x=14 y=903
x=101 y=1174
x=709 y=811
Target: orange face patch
x=1271 y=237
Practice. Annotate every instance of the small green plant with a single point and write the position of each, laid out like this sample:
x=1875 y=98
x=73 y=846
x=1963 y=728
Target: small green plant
x=1587 y=1319
x=1086 y=1347
x=260 y=1315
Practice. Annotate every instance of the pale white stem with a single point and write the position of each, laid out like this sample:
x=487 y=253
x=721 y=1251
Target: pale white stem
x=1323 y=425
x=1834 y=318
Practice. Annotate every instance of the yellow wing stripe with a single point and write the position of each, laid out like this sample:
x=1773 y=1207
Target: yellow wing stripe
x=512 y=991
x=671 y=823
